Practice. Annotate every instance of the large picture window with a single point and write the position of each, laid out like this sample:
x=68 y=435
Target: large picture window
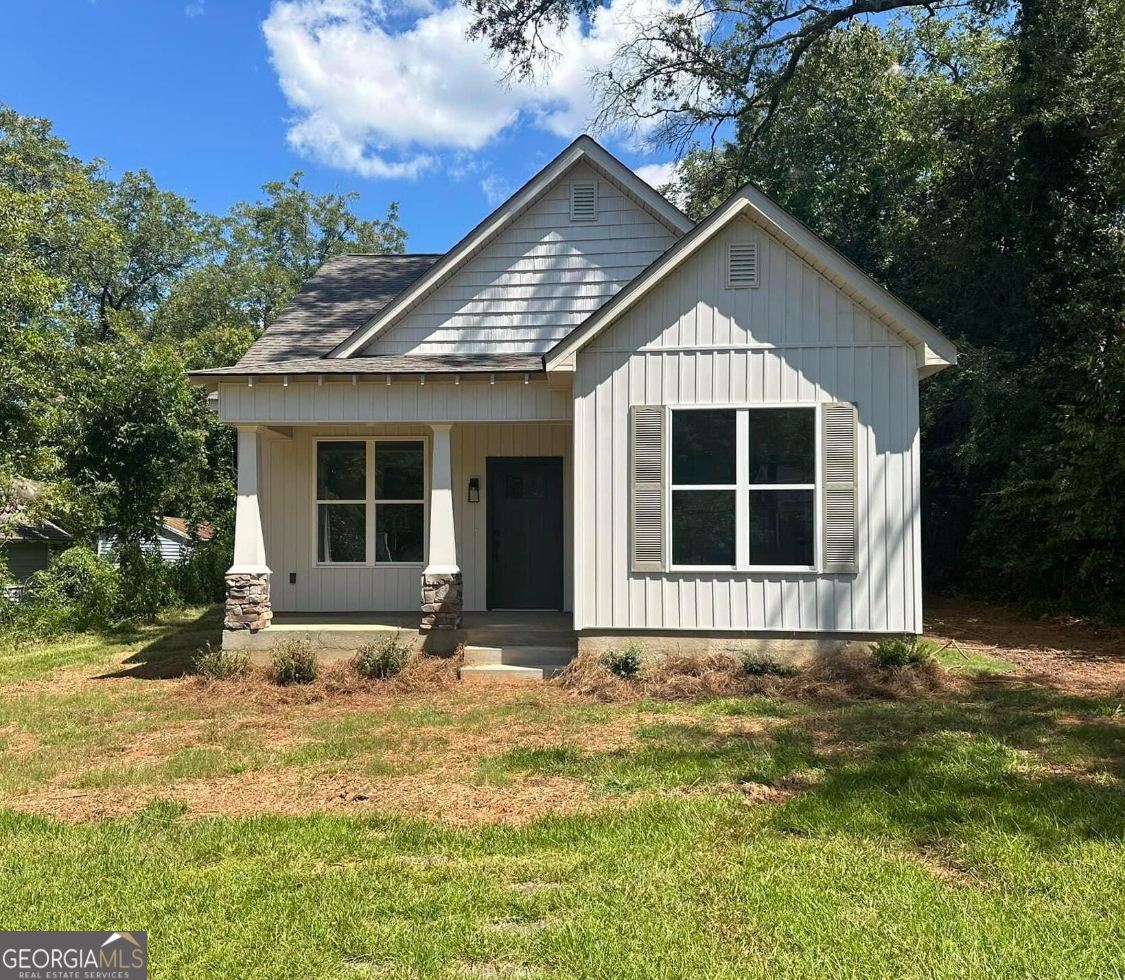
x=743 y=488
x=370 y=501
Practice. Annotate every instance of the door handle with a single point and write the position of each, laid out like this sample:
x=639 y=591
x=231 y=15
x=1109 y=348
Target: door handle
x=495 y=545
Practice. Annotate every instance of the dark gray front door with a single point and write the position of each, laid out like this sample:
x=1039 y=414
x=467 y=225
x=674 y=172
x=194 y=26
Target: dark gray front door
x=525 y=532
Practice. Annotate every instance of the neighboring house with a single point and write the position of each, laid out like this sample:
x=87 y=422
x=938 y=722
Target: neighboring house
x=590 y=404
x=174 y=540
x=29 y=547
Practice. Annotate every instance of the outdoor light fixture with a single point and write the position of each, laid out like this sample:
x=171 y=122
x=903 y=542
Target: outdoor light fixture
x=474 y=489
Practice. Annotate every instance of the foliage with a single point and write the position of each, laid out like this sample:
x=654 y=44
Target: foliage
x=78 y=591
x=901 y=651
x=294 y=662
x=383 y=658
x=222 y=665
x=110 y=288
x=759 y=665
x=625 y=662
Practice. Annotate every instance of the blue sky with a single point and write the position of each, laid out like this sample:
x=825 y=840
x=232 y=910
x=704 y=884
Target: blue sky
x=215 y=97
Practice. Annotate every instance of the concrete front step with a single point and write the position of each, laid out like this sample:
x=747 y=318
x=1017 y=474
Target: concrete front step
x=513 y=665
x=479 y=674
x=519 y=656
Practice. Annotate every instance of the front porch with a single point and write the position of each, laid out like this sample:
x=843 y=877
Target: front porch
x=346 y=531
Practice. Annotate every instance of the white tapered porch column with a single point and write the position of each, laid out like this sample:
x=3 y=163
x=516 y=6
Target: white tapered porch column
x=442 y=586
x=248 y=579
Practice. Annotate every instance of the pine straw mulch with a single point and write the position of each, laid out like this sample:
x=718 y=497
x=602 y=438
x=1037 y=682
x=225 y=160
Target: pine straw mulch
x=826 y=680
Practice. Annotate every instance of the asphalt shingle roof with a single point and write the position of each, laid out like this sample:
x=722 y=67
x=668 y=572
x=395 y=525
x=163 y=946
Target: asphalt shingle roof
x=389 y=364
x=344 y=294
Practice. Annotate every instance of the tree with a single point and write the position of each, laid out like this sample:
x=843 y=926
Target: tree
x=263 y=252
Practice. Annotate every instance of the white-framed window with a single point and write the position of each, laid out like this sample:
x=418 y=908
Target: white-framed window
x=743 y=488
x=370 y=497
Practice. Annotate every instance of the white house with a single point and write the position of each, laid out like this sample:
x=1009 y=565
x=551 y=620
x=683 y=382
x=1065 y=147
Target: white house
x=174 y=540
x=593 y=406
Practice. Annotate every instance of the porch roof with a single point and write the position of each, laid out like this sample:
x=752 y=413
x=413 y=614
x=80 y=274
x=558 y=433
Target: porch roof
x=386 y=364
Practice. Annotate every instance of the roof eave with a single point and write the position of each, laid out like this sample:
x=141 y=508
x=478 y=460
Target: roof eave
x=935 y=351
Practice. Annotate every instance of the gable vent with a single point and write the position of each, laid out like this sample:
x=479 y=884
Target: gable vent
x=841 y=510
x=584 y=201
x=646 y=525
x=742 y=265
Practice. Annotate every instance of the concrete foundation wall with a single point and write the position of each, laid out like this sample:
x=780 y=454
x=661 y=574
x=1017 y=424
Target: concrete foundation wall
x=783 y=649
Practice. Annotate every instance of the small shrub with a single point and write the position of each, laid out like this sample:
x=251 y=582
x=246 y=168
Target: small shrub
x=758 y=665
x=77 y=591
x=222 y=665
x=901 y=651
x=383 y=658
x=294 y=662
x=625 y=662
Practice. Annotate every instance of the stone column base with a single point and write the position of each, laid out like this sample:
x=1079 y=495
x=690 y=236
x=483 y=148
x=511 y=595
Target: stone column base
x=442 y=601
x=248 y=601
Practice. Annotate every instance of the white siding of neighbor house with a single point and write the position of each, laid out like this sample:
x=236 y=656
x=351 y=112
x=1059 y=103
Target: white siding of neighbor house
x=171 y=546
x=794 y=340
x=371 y=399
x=288 y=517
x=537 y=280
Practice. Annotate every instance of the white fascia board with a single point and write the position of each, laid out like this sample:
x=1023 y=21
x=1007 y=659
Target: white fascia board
x=583 y=148
x=935 y=350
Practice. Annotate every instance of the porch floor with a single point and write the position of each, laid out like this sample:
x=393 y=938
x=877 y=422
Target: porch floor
x=517 y=620
x=341 y=634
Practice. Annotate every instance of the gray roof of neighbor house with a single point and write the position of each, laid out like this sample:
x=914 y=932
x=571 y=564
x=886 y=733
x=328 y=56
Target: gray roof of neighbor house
x=35 y=533
x=344 y=294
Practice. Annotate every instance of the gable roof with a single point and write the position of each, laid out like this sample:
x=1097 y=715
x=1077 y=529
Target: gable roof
x=177 y=525
x=343 y=294
x=40 y=531
x=934 y=350
x=582 y=149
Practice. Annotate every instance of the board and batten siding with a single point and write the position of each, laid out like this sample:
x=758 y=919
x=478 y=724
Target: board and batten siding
x=288 y=517
x=794 y=340
x=371 y=399
x=537 y=280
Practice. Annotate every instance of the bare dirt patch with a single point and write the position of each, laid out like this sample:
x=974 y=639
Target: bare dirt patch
x=1069 y=654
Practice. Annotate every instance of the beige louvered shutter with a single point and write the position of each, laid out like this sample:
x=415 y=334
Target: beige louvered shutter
x=646 y=479
x=841 y=490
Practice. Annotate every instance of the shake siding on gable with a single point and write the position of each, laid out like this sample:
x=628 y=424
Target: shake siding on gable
x=794 y=340
x=540 y=278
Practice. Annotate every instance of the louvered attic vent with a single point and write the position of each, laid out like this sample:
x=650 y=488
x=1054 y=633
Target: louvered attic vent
x=742 y=265
x=584 y=201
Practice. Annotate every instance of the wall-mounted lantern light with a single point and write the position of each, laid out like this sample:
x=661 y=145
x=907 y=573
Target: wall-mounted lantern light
x=474 y=489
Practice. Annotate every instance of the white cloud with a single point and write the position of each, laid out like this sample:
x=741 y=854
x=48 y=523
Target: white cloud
x=657 y=174
x=197 y=8
x=496 y=189
x=381 y=88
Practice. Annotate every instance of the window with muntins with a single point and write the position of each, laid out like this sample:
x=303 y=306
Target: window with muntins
x=370 y=501
x=743 y=488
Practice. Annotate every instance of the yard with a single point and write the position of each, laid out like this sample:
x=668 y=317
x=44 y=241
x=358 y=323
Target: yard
x=265 y=832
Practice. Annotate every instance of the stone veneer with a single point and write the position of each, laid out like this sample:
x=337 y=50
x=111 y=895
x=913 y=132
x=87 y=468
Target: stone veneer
x=248 y=601
x=442 y=601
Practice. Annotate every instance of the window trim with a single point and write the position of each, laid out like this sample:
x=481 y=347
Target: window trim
x=370 y=502
x=742 y=487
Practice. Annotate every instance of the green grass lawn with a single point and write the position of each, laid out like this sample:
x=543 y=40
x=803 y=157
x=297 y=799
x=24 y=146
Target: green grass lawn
x=977 y=835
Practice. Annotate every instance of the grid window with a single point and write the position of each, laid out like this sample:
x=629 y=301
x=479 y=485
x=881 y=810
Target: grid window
x=370 y=501
x=743 y=488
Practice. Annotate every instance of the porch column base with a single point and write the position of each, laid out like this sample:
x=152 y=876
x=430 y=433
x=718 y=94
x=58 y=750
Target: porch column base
x=248 y=601
x=442 y=593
